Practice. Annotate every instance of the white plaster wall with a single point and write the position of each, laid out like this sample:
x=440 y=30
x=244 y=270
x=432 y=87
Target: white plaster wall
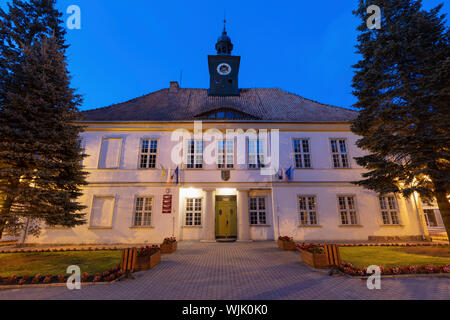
x=330 y=228
x=321 y=180
x=121 y=230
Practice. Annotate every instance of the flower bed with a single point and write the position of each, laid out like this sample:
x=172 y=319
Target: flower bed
x=313 y=255
x=107 y=276
x=23 y=250
x=169 y=245
x=393 y=244
x=147 y=258
x=352 y=270
x=286 y=243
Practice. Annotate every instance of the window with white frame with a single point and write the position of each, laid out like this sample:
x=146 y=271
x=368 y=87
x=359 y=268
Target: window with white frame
x=302 y=156
x=430 y=217
x=339 y=153
x=255 y=153
x=257 y=210
x=347 y=210
x=193 y=212
x=194 y=151
x=143 y=211
x=225 y=154
x=389 y=210
x=307 y=210
x=147 y=154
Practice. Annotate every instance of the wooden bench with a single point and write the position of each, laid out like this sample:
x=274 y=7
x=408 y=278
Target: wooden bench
x=332 y=252
x=128 y=262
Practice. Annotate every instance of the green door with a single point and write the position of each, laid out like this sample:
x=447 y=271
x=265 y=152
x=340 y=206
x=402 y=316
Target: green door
x=226 y=220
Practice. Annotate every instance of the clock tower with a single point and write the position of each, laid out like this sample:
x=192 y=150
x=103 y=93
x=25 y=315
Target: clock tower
x=223 y=68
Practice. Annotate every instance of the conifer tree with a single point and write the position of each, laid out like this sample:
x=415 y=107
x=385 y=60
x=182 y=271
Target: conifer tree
x=40 y=157
x=403 y=91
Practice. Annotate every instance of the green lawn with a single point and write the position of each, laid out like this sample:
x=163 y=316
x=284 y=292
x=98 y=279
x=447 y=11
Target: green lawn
x=55 y=263
x=389 y=256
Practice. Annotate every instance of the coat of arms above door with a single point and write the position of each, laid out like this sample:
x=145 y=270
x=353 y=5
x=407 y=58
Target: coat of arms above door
x=226 y=175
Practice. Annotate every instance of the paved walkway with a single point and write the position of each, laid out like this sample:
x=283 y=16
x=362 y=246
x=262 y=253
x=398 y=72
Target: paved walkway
x=257 y=270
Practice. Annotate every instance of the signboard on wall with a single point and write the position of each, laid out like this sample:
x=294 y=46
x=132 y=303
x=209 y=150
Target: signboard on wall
x=167 y=203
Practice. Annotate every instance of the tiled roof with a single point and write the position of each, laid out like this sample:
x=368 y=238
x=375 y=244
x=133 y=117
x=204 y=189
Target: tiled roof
x=187 y=104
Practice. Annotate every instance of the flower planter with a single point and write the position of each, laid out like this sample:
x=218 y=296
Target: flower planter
x=286 y=245
x=315 y=260
x=168 y=247
x=147 y=262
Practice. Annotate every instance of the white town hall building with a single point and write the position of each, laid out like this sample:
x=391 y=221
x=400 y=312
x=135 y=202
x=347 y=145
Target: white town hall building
x=151 y=176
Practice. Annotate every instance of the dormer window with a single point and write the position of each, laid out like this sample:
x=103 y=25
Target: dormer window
x=226 y=114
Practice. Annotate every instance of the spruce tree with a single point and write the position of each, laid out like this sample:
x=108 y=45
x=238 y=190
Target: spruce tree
x=403 y=91
x=40 y=157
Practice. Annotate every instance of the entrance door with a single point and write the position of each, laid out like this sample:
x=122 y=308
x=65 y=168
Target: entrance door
x=226 y=219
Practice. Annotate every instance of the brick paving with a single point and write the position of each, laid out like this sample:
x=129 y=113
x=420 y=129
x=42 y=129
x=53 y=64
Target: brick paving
x=249 y=271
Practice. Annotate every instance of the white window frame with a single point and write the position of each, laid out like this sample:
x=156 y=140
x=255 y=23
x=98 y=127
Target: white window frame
x=347 y=210
x=226 y=154
x=301 y=153
x=143 y=211
x=386 y=208
x=148 y=153
x=259 y=154
x=197 y=155
x=339 y=154
x=195 y=212
x=257 y=211
x=427 y=218
x=307 y=210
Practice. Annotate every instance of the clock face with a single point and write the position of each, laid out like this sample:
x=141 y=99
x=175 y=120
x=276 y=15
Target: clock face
x=223 y=69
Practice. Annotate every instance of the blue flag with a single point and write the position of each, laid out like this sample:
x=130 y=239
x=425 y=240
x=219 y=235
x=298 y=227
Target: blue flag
x=290 y=173
x=175 y=174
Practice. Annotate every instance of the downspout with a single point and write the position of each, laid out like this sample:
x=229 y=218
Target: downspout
x=273 y=213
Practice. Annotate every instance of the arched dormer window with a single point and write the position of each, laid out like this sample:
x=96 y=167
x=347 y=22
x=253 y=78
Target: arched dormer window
x=226 y=114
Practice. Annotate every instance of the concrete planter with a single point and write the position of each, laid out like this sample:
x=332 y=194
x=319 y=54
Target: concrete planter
x=286 y=245
x=315 y=260
x=147 y=262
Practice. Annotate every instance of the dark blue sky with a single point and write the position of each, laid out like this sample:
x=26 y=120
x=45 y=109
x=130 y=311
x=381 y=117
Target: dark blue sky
x=126 y=49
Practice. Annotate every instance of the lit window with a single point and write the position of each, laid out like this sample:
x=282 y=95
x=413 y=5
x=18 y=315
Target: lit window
x=143 y=211
x=339 y=153
x=347 y=210
x=257 y=210
x=193 y=212
x=389 y=210
x=194 y=154
x=302 y=156
x=307 y=210
x=255 y=154
x=225 y=154
x=147 y=156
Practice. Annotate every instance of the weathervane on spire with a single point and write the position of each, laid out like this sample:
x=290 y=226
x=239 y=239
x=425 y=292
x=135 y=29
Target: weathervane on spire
x=224 y=45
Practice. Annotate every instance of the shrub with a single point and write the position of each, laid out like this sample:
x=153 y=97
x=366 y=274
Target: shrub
x=47 y=279
x=37 y=278
x=97 y=277
x=147 y=251
x=286 y=238
x=313 y=248
x=169 y=240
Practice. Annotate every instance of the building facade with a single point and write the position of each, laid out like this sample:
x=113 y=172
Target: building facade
x=228 y=164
